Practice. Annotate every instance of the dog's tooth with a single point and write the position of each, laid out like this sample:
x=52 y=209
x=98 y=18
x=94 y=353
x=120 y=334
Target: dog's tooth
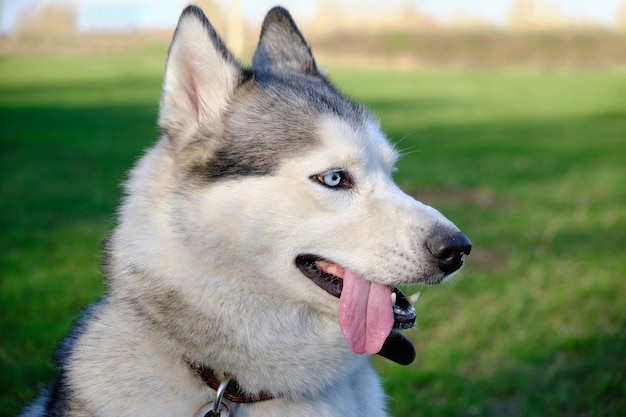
x=330 y=268
x=393 y=298
x=413 y=298
x=322 y=264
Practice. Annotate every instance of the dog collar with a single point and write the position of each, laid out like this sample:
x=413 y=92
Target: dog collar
x=233 y=391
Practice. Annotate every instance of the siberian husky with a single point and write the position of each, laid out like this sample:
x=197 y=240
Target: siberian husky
x=258 y=249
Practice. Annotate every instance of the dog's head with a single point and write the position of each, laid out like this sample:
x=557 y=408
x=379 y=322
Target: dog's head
x=282 y=179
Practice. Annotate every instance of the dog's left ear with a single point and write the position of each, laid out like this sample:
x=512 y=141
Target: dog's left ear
x=200 y=77
x=282 y=48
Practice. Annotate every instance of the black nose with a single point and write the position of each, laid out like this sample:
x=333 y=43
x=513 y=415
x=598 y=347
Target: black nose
x=449 y=249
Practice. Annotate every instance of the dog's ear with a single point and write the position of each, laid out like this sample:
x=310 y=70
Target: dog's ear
x=200 y=76
x=282 y=48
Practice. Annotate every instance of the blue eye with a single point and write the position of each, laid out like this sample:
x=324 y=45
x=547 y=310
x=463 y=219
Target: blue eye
x=335 y=179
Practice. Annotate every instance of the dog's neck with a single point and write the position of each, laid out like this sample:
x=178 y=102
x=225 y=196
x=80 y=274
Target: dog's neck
x=233 y=391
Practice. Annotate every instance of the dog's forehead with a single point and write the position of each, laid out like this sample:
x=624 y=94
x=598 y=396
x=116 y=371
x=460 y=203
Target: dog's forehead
x=364 y=143
x=303 y=113
x=284 y=112
x=298 y=110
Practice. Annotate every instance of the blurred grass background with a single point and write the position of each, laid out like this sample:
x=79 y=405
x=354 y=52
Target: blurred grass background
x=527 y=157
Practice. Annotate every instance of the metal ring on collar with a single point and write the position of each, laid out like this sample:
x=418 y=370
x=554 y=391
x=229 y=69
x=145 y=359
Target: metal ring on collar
x=220 y=393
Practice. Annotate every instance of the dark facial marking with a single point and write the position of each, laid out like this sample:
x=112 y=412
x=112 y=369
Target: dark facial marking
x=269 y=120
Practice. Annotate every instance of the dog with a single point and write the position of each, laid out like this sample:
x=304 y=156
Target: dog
x=253 y=268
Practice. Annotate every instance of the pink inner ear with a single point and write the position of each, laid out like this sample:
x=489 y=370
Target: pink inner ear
x=191 y=88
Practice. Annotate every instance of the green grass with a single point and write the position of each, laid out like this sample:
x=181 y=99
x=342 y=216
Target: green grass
x=532 y=166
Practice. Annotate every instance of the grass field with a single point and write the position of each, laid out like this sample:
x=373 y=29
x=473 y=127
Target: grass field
x=530 y=165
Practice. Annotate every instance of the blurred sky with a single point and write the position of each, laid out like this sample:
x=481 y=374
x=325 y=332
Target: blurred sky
x=138 y=14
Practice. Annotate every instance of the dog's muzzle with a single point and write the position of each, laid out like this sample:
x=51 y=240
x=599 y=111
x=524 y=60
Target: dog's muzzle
x=447 y=247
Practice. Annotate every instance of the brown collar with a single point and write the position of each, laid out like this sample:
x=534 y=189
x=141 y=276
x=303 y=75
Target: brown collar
x=233 y=391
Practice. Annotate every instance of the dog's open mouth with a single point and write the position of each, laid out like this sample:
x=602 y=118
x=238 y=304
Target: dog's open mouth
x=329 y=276
x=369 y=314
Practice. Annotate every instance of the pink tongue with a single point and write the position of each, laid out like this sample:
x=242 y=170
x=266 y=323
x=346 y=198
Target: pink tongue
x=365 y=313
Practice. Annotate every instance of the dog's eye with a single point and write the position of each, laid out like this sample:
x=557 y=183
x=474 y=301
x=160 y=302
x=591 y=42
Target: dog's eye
x=335 y=179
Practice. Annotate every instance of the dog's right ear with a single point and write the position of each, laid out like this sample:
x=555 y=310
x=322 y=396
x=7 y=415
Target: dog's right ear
x=200 y=76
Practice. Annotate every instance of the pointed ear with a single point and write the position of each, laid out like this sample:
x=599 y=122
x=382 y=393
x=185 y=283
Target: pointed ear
x=200 y=76
x=282 y=48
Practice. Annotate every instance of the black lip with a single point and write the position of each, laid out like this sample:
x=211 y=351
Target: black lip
x=398 y=348
x=328 y=282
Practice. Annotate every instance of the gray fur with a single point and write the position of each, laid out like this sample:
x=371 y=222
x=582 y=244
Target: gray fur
x=283 y=108
x=282 y=48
